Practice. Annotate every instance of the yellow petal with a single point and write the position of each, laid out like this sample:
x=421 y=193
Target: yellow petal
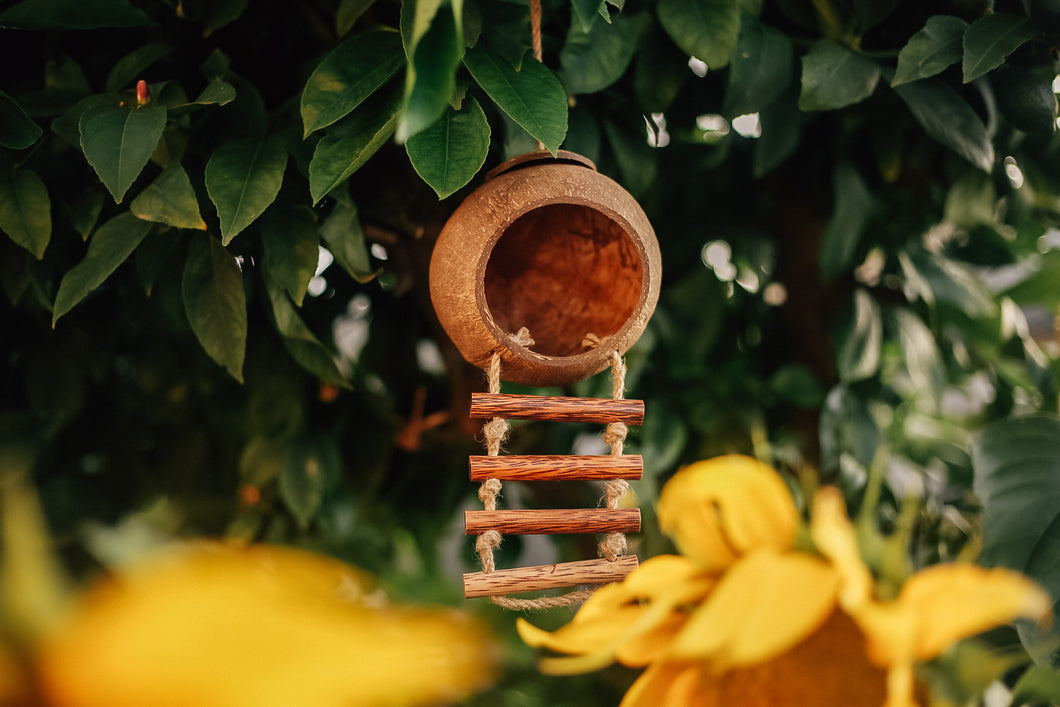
x=670 y=684
x=765 y=604
x=653 y=643
x=945 y=603
x=671 y=578
x=719 y=509
x=632 y=621
x=268 y=627
x=900 y=686
x=583 y=635
x=834 y=536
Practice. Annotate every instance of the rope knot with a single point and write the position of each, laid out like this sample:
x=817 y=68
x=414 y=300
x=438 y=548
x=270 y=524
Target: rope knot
x=613 y=546
x=485 y=544
x=522 y=337
x=495 y=431
x=616 y=489
x=615 y=435
x=488 y=492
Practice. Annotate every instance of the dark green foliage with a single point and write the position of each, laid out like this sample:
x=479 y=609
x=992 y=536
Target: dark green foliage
x=856 y=204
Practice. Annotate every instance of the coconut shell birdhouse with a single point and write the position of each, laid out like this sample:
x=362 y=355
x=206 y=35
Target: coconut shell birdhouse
x=546 y=275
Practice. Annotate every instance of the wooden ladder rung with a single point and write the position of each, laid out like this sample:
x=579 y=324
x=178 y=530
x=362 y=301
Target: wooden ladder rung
x=534 y=579
x=555 y=467
x=556 y=408
x=553 y=521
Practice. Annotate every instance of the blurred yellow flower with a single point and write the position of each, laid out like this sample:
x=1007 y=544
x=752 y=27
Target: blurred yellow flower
x=746 y=617
x=215 y=625
x=718 y=510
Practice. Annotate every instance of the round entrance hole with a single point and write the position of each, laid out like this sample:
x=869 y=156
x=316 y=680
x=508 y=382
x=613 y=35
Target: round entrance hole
x=563 y=271
x=551 y=245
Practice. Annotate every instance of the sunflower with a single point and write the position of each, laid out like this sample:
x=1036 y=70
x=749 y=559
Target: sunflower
x=761 y=610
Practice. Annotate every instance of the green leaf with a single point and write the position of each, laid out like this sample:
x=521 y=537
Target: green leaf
x=1016 y=463
x=118 y=141
x=796 y=384
x=17 y=130
x=415 y=21
x=457 y=7
x=221 y=12
x=171 y=200
x=860 y=337
x=506 y=27
x=130 y=67
x=217 y=92
x=292 y=247
x=72 y=14
x=25 y=210
x=937 y=278
x=449 y=153
x=110 y=246
x=659 y=71
x=971 y=200
x=533 y=97
x=592 y=61
x=471 y=23
x=853 y=207
x=705 y=29
x=260 y=461
x=847 y=428
x=85 y=211
x=946 y=117
x=1040 y=287
x=348 y=13
x=344 y=238
x=347 y=75
x=215 y=303
x=932 y=49
x=242 y=179
x=920 y=353
x=586 y=11
x=310 y=467
x=153 y=254
x=990 y=39
x=430 y=82
x=245 y=117
x=1038 y=685
x=834 y=76
x=348 y=144
x=67 y=125
x=760 y=70
x=516 y=140
x=301 y=343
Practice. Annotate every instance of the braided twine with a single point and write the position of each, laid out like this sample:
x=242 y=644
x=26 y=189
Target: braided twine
x=611 y=547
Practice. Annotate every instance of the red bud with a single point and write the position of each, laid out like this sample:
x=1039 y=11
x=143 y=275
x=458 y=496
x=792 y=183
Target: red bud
x=143 y=93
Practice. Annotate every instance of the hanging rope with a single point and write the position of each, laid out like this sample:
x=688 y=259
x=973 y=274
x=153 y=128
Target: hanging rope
x=535 y=40
x=614 y=545
x=535 y=28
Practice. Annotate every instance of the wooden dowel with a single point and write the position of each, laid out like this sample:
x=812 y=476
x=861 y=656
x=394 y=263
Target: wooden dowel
x=555 y=467
x=556 y=408
x=553 y=521
x=535 y=579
